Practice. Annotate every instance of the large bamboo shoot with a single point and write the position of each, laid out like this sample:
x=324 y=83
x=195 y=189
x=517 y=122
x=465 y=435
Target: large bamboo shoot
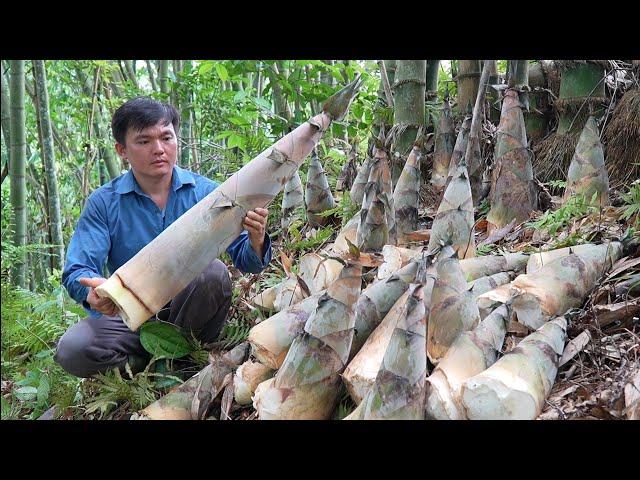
x=317 y=196
x=516 y=386
x=406 y=196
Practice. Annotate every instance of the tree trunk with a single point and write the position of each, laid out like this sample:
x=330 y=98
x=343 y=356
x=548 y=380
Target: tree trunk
x=48 y=159
x=468 y=79
x=17 y=168
x=281 y=105
x=163 y=76
x=431 y=91
x=128 y=64
x=185 y=113
x=409 y=87
x=97 y=121
x=152 y=77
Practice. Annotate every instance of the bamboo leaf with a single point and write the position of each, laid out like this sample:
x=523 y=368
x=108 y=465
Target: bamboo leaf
x=163 y=339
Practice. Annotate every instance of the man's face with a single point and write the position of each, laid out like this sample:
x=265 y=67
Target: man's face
x=152 y=152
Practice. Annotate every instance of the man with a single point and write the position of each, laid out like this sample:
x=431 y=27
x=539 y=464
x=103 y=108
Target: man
x=123 y=216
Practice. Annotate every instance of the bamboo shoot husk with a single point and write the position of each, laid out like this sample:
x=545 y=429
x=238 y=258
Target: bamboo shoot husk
x=539 y=259
x=484 y=284
x=270 y=340
x=406 y=196
x=292 y=198
x=266 y=298
x=470 y=354
x=516 y=386
x=361 y=372
x=165 y=266
x=513 y=193
x=191 y=400
x=307 y=384
x=445 y=140
x=398 y=392
x=459 y=148
x=454 y=223
x=317 y=195
x=357 y=189
x=561 y=284
x=247 y=378
x=376 y=300
x=348 y=232
x=453 y=309
x=473 y=268
x=587 y=172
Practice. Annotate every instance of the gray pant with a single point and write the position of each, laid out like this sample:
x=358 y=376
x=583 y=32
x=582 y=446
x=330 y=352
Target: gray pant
x=97 y=344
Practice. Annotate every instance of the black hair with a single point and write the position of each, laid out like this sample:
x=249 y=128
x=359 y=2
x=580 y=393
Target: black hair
x=140 y=113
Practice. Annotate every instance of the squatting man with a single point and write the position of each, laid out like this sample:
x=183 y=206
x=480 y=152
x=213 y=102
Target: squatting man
x=123 y=216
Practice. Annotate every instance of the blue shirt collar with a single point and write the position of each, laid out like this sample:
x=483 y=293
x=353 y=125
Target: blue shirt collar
x=179 y=178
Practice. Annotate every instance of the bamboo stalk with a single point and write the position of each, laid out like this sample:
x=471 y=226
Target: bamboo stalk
x=317 y=196
x=587 y=172
x=306 y=385
x=406 y=196
x=398 y=392
x=445 y=141
x=453 y=309
x=516 y=386
x=165 y=266
x=470 y=354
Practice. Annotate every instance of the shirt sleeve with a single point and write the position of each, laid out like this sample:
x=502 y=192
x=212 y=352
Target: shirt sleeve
x=88 y=250
x=245 y=258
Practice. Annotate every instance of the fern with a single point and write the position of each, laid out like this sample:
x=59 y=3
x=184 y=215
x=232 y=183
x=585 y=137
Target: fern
x=576 y=207
x=234 y=332
x=632 y=202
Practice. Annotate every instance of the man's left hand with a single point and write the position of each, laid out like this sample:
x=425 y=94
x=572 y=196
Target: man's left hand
x=255 y=223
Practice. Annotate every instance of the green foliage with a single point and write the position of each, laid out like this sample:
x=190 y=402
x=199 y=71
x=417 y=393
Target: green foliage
x=163 y=339
x=575 y=208
x=235 y=331
x=631 y=200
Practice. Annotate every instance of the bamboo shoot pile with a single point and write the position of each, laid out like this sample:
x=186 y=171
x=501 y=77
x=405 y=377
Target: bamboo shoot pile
x=470 y=354
x=398 y=392
x=307 y=384
x=165 y=266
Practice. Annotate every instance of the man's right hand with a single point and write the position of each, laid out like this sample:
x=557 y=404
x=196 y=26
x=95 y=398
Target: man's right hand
x=98 y=303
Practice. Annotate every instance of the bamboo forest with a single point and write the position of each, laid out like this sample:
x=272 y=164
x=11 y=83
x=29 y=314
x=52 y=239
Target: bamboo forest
x=320 y=239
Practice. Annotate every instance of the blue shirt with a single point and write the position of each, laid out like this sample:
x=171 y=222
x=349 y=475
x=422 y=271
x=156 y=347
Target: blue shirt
x=119 y=219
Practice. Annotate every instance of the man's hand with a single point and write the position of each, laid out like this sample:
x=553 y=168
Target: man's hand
x=255 y=223
x=98 y=303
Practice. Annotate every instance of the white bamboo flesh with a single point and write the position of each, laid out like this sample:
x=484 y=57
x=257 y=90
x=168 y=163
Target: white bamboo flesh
x=247 y=378
x=165 y=266
x=361 y=372
x=470 y=354
x=516 y=386
x=306 y=386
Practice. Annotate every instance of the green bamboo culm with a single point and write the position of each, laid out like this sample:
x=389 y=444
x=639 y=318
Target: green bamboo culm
x=581 y=84
x=468 y=80
x=536 y=119
x=48 y=157
x=163 y=76
x=17 y=168
x=431 y=90
x=409 y=87
x=185 y=113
